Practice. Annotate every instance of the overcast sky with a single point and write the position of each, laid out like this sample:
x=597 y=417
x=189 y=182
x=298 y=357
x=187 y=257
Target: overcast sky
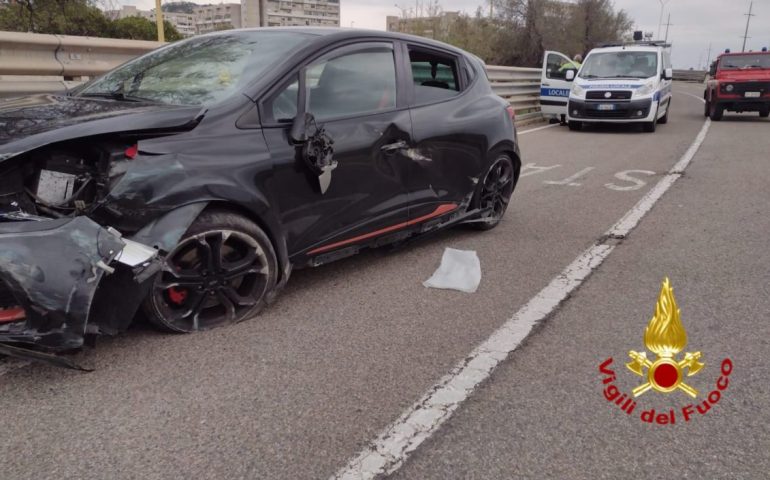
x=695 y=23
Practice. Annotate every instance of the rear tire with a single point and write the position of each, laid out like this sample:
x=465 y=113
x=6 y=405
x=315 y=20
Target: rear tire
x=494 y=192
x=765 y=113
x=716 y=112
x=221 y=272
x=575 y=126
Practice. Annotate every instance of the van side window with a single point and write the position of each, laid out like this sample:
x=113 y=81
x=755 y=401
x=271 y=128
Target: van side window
x=435 y=76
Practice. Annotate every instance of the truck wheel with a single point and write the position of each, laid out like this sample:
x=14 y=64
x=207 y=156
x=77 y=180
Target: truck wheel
x=220 y=273
x=575 y=126
x=765 y=112
x=716 y=112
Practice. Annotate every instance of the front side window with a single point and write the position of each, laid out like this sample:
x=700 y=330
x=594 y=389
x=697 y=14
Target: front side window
x=358 y=83
x=200 y=71
x=556 y=66
x=620 y=65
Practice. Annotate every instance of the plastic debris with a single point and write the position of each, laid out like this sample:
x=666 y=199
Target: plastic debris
x=459 y=270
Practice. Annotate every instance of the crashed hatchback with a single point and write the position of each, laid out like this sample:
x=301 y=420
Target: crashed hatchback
x=190 y=181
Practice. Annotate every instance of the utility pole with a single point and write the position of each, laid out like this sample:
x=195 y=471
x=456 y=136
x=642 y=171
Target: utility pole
x=159 y=21
x=748 y=20
x=491 y=8
x=668 y=24
x=660 y=20
x=708 y=57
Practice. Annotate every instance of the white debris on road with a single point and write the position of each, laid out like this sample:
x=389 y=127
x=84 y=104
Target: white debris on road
x=459 y=270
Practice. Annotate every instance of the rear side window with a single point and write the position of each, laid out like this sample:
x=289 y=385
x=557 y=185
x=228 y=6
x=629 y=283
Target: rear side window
x=436 y=76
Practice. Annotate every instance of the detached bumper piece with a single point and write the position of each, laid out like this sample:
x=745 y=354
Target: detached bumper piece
x=50 y=272
x=610 y=110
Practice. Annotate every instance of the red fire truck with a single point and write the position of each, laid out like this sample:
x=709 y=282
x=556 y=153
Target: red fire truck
x=740 y=82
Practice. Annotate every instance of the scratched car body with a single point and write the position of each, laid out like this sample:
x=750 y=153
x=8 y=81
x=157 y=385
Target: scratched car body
x=191 y=181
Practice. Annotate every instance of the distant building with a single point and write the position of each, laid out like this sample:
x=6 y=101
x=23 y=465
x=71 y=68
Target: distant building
x=429 y=27
x=223 y=16
x=275 y=13
x=204 y=19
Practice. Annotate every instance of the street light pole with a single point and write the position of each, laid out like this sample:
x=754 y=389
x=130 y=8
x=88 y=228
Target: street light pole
x=159 y=21
x=660 y=20
x=668 y=24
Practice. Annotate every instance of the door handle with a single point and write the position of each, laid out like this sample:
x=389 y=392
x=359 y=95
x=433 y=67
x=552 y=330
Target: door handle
x=546 y=84
x=392 y=147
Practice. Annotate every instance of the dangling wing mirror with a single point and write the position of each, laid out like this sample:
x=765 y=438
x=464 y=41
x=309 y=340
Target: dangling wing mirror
x=300 y=126
x=570 y=75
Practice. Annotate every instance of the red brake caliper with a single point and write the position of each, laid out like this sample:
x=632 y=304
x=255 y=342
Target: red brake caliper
x=177 y=295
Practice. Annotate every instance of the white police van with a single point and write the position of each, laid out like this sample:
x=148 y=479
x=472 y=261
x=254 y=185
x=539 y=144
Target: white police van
x=616 y=84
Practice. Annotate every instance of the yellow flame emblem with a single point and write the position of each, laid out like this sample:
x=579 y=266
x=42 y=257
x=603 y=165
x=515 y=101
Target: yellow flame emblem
x=666 y=337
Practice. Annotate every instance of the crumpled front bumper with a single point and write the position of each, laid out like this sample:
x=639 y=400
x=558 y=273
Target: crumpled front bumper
x=52 y=270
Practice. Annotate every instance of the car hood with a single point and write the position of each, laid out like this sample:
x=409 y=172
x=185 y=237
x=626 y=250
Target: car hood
x=753 y=74
x=37 y=120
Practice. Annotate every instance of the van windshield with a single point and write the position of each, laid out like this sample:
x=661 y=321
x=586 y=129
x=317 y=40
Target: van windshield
x=620 y=65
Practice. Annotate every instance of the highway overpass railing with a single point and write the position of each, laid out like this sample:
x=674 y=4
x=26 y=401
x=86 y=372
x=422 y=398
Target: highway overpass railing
x=36 y=63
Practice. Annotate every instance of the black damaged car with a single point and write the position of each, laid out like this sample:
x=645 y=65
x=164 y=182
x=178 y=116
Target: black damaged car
x=190 y=181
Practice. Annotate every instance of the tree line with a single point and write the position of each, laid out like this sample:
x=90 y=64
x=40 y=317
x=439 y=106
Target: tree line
x=76 y=17
x=518 y=32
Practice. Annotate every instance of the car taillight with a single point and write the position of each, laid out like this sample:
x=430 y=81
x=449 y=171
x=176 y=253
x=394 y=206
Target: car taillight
x=132 y=151
x=511 y=113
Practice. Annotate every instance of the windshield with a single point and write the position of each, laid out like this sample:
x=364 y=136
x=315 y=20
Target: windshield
x=743 y=62
x=620 y=65
x=200 y=71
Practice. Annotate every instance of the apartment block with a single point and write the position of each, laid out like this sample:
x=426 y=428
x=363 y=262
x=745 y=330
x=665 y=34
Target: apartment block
x=276 y=13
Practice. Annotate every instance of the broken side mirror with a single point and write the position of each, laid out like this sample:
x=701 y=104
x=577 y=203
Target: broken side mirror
x=300 y=126
x=316 y=148
x=713 y=70
x=570 y=75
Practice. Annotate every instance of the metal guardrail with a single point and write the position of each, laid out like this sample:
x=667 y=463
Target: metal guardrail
x=37 y=63
x=698 y=76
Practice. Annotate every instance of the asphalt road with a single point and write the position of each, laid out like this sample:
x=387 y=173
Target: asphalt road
x=299 y=391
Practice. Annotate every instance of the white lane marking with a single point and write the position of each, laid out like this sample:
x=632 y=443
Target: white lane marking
x=626 y=177
x=538 y=128
x=691 y=95
x=535 y=169
x=391 y=448
x=570 y=181
x=632 y=217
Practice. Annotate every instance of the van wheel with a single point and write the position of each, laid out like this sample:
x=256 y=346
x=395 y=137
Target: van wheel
x=716 y=112
x=575 y=126
x=664 y=119
x=220 y=273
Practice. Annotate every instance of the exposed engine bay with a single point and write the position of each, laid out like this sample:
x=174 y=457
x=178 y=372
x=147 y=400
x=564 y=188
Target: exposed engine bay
x=64 y=181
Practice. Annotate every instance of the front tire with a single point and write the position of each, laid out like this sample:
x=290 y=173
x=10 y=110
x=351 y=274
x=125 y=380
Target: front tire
x=664 y=119
x=494 y=192
x=716 y=112
x=765 y=112
x=220 y=273
x=575 y=126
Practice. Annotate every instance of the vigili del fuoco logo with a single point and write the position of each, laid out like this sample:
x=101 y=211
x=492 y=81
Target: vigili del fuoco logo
x=665 y=337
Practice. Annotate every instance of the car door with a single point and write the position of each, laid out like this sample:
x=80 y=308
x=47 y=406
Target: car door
x=450 y=126
x=554 y=86
x=352 y=93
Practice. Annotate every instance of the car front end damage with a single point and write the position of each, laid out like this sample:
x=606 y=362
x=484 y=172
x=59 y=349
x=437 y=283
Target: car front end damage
x=50 y=273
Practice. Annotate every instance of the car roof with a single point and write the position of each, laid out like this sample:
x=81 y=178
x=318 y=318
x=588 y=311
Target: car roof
x=628 y=48
x=332 y=34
